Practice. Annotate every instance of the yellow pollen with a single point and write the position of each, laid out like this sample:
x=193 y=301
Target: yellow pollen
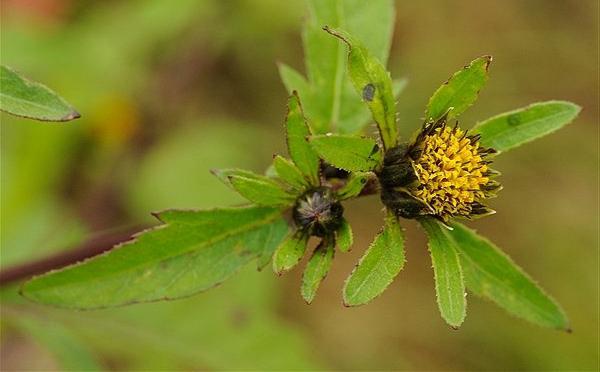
x=451 y=172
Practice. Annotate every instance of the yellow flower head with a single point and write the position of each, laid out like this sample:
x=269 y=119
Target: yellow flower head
x=444 y=173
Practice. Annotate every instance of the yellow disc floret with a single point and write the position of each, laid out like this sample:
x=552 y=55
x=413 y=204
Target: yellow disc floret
x=451 y=171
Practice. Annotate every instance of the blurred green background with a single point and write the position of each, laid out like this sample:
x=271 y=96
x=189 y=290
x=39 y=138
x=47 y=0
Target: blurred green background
x=170 y=89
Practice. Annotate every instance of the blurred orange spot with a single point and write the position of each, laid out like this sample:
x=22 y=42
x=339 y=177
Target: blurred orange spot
x=115 y=120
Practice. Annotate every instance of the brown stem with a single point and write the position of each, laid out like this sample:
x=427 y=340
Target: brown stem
x=90 y=248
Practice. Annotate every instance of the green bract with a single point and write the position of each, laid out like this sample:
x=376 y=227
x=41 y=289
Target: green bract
x=195 y=250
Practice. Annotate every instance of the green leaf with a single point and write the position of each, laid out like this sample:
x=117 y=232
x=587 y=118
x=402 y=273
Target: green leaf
x=224 y=174
x=490 y=273
x=378 y=267
x=514 y=128
x=288 y=172
x=258 y=189
x=449 y=283
x=354 y=185
x=21 y=97
x=460 y=91
x=300 y=150
x=316 y=269
x=373 y=83
x=347 y=152
x=331 y=103
x=344 y=237
x=290 y=252
x=193 y=251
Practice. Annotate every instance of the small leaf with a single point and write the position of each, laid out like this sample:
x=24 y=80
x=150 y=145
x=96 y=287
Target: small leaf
x=300 y=150
x=343 y=237
x=514 y=128
x=317 y=268
x=21 y=97
x=354 y=185
x=490 y=273
x=373 y=84
x=288 y=172
x=460 y=91
x=193 y=251
x=347 y=152
x=224 y=174
x=449 y=283
x=290 y=252
x=378 y=267
x=259 y=189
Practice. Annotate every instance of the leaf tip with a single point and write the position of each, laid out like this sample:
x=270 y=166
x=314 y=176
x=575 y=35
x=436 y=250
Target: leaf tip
x=71 y=116
x=488 y=60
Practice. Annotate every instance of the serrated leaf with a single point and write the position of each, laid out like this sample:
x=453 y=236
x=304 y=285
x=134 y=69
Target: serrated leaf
x=449 y=283
x=373 y=84
x=490 y=273
x=331 y=103
x=316 y=269
x=344 y=237
x=28 y=99
x=460 y=91
x=348 y=152
x=290 y=252
x=300 y=150
x=354 y=185
x=258 y=189
x=378 y=267
x=514 y=128
x=288 y=172
x=193 y=251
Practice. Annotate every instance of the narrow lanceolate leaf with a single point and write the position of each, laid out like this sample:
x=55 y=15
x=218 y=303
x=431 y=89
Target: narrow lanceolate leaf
x=223 y=174
x=290 y=252
x=297 y=132
x=316 y=269
x=330 y=100
x=354 y=185
x=21 y=97
x=373 y=84
x=514 y=128
x=449 y=283
x=378 y=267
x=347 y=152
x=490 y=273
x=193 y=251
x=258 y=189
x=344 y=237
x=460 y=91
x=289 y=172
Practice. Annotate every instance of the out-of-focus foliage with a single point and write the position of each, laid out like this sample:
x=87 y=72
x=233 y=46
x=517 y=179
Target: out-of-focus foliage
x=331 y=103
x=193 y=86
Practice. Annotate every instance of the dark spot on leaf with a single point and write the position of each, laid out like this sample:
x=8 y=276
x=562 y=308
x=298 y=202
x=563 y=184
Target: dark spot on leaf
x=513 y=120
x=368 y=92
